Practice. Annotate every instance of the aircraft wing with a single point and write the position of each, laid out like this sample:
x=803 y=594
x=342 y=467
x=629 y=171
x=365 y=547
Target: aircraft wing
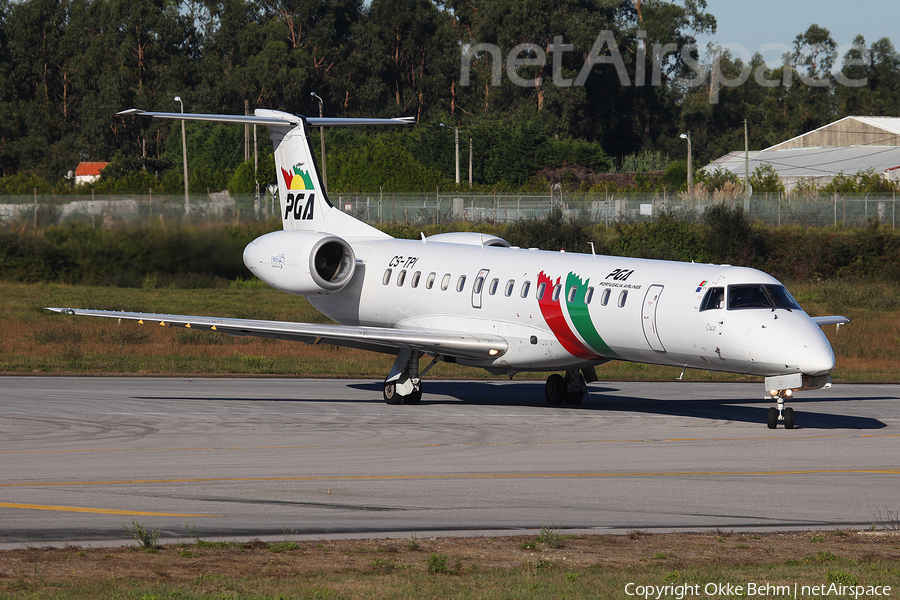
x=830 y=320
x=377 y=339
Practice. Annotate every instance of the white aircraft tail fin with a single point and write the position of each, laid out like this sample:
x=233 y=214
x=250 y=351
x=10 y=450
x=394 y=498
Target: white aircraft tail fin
x=304 y=203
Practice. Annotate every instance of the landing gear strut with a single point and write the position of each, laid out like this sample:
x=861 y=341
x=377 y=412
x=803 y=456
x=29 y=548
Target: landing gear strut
x=780 y=412
x=404 y=383
x=569 y=389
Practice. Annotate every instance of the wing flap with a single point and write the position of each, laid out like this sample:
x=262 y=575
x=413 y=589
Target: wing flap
x=378 y=339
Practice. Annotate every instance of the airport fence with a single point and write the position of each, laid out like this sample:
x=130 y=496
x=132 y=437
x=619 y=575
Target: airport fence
x=441 y=208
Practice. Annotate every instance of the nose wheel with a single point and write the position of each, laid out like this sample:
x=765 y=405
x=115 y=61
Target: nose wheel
x=780 y=412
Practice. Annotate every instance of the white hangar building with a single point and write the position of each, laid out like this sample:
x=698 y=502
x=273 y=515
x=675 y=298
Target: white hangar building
x=847 y=146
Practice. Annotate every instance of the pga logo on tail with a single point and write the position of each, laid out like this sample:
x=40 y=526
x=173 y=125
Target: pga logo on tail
x=298 y=179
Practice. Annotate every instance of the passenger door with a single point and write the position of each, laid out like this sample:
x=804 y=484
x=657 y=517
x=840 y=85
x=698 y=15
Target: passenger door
x=648 y=317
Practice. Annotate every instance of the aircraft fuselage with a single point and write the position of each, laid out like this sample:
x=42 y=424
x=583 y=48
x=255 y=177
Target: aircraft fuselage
x=562 y=310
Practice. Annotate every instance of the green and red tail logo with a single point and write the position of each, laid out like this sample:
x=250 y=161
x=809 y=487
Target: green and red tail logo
x=297 y=178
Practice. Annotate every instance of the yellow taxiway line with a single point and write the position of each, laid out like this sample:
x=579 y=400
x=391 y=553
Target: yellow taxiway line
x=99 y=511
x=622 y=474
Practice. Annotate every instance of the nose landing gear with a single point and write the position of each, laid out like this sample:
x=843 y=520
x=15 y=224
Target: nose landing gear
x=780 y=412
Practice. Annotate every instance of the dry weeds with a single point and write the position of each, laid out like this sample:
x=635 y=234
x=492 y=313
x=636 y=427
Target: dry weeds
x=184 y=563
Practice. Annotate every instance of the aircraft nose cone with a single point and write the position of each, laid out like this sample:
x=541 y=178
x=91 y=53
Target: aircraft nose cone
x=251 y=255
x=815 y=354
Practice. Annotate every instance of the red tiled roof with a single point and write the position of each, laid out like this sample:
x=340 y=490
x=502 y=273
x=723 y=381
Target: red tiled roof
x=89 y=168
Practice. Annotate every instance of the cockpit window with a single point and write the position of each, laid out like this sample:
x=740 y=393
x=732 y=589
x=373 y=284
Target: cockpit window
x=760 y=296
x=715 y=298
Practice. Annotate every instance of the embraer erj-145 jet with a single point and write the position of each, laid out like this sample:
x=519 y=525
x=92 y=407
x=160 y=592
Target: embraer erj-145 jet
x=472 y=299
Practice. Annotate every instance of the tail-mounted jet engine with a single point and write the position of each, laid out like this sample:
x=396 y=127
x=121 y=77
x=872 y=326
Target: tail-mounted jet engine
x=305 y=263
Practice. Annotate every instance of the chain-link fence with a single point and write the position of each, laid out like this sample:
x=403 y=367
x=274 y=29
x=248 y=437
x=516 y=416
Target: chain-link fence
x=439 y=208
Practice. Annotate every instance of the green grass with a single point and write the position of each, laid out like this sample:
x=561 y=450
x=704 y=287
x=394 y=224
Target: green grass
x=539 y=580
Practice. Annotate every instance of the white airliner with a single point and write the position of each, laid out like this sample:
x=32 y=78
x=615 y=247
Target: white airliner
x=472 y=299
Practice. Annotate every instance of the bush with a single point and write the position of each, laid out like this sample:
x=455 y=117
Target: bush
x=666 y=239
x=551 y=232
x=730 y=238
x=438 y=563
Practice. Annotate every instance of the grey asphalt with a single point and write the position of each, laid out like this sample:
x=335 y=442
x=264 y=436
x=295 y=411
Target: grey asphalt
x=291 y=459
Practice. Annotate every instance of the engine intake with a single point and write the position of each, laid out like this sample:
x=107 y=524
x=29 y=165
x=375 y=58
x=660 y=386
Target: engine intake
x=301 y=262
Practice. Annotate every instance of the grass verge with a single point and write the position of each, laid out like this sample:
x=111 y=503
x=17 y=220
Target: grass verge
x=587 y=567
x=33 y=340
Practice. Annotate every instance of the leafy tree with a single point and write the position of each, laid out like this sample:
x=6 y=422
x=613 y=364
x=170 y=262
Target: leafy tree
x=764 y=179
x=379 y=164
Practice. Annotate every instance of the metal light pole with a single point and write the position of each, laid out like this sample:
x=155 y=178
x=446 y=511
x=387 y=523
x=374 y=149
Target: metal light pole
x=456 y=142
x=187 y=200
x=747 y=190
x=322 y=138
x=470 y=162
x=690 y=171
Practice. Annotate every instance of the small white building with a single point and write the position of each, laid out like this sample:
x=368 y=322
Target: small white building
x=88 y=172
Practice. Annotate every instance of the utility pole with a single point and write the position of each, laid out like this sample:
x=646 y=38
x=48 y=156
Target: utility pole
x=246 y=132
x=456 y=138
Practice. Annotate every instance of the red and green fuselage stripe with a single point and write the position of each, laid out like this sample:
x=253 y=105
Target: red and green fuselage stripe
x=593 y=347
x=553 y=315
x=581 y=318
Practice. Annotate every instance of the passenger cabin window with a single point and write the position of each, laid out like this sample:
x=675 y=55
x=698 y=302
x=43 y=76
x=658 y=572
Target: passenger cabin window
x=525 y=287
x=460 y=283
x=492 y=289
x=445 y=282
x=415 y=280
x=540 y=291
x=760 y=296
x=387 y=277
x=604 y=297
x=401 y=277
x=557 y=289
x=622 y=298
x=510 y=285
x=570 y=297
x=479 y=283
x=589 y=295
x=429 y=283
x=715 y=298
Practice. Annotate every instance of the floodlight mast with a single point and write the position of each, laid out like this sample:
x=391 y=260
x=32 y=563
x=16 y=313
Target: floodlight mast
x=187 y=200
x=690 y=170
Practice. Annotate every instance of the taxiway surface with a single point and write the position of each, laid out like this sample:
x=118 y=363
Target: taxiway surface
x=244 y=458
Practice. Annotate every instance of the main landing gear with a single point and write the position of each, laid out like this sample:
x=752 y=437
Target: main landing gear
x=403 y=385
x=569 y=389
x=780 y=412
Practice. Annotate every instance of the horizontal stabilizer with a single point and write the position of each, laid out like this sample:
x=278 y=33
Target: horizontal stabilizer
x=268 y=117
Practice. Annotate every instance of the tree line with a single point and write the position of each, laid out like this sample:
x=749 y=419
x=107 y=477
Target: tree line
x=539 y=85
x=185 y=255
